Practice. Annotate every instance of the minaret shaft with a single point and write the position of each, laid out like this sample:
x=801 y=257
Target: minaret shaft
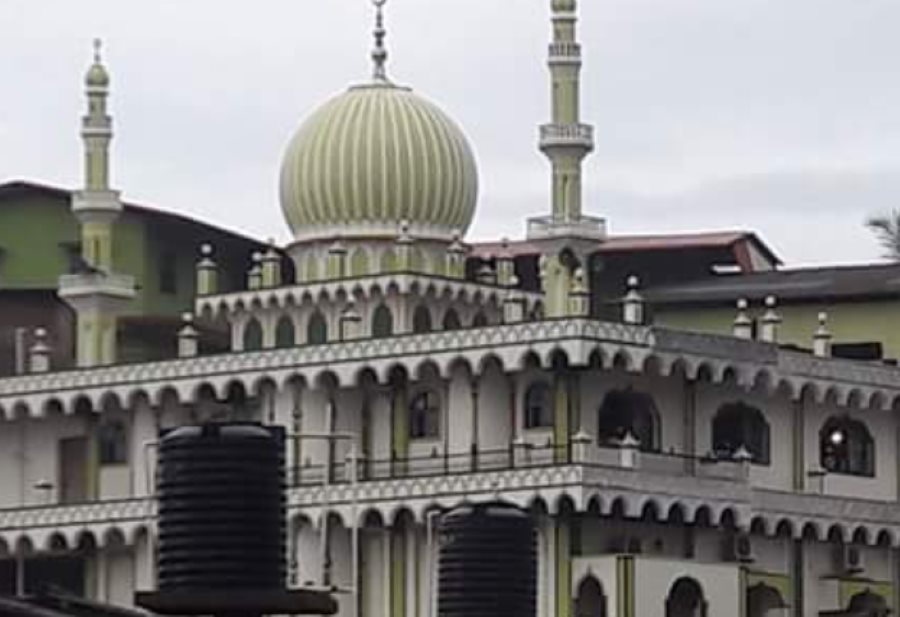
x=566 y=141
x=94 y=291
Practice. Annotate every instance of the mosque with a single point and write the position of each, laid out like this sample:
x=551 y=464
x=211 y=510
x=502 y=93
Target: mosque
x=672 y=472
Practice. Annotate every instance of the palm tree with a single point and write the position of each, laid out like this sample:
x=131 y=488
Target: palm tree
x=886 y=228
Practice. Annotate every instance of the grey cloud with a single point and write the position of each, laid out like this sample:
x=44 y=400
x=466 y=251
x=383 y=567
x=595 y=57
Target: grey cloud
x=703 y=108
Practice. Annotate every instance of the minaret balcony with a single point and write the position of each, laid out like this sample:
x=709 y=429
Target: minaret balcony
x=97 y=286
x=577 y=136
x=565 y=53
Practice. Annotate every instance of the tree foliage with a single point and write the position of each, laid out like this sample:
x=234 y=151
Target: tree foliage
x=886 y=228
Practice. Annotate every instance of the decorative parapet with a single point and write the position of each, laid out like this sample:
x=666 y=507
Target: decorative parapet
x=567 y=135
x=586 y=227
x=583 y=341
x=663 y=492
x=565 y=53
x=295 y=295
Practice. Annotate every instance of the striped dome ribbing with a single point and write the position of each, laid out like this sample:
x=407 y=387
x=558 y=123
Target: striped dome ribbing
x=373 y=157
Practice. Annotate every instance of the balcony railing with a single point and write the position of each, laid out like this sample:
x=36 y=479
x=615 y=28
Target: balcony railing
x=584 y=227
x=567 y=135
x=524 y=456
x=565 y=52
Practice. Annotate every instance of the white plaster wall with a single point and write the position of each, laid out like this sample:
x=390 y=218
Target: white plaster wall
x=494 y=414
x=12 y=479
x=778 y=413
x=667 y=393
x=883 y=429
x=611 y=536
x=41 y=453
x=120 y=576
x=380 y=425
x=655 y=578
x=374 y=573
x=459 y=408
x=604 y=570
x=772 y=554
x=308 y=555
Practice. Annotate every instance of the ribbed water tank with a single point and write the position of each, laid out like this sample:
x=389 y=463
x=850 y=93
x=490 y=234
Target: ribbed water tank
x=222 y=508
x=487 y=562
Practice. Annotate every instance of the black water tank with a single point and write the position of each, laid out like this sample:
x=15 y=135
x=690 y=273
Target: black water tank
x=487 y=562
x=222 y=508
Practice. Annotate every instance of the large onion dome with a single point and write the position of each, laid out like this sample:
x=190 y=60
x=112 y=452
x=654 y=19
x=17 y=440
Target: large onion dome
x=376 y=157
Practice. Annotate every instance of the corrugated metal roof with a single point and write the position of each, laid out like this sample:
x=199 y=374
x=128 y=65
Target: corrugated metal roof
x=855 y=281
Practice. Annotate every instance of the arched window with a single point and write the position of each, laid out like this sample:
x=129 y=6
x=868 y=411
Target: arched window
x=480 y=320
x=846 y=446
x=451 y=321
x=425 y=416
x=359 y=263
x=421 y=320
x=317 y=329
x=388 y=262
x=284 y=333
x=626 y=412
x=590 y=601
x=761 y=599
x=382 y=322
x=253 y=335
x=736 y=425
x=686 y=599
x=538 y=406
x=112 y=440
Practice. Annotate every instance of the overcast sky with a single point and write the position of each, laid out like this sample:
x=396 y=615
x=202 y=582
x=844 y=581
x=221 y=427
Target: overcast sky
x=780 y=116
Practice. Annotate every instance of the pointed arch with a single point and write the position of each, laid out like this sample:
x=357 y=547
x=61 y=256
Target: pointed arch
x=382 y=322
x=317 y=329
x=451 y=321
x=359 y=262
x=253 y=335
x=422 y=320
x=285 y=333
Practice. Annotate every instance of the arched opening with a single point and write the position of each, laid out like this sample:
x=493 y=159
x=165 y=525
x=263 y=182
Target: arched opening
x=451 y=321
x=590 y=601
x=421 y=320
x=627 y=412
x=480 y=320
x=359 y=263
x=538 y=406
x=686 y=599
x=317 y=329
x=284 y=333
x=425 y=416
x=739 y=425
x=868 y=604
x=112 y=442
x=847 y=447
x=382 y=322
x=388 y=262
x=253 y=335
x=765 y=601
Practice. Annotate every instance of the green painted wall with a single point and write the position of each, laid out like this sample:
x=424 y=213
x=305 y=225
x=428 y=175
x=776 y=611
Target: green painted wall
x=857 y=321
x=31 y=232
x=37 y=230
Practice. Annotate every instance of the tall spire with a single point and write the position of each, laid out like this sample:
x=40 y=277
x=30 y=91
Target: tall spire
x=379 y=53
x=566 y=141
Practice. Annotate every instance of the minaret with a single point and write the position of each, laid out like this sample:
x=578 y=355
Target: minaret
x=566 y=141
x=94 y=291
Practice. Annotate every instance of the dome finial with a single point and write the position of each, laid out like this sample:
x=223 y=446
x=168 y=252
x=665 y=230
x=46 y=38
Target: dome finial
x=98 y=49
x=380 y=54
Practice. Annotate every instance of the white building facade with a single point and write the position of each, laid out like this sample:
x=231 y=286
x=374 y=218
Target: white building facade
x=671 y=473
